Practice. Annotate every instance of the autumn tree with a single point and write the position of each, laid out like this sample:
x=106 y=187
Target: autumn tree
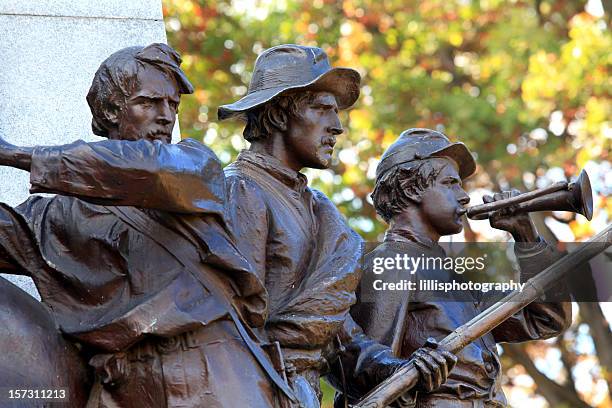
x=525 y=84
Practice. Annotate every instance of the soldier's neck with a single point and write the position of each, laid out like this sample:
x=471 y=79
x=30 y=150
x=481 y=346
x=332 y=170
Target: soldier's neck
x=411 y=225
x=274 y=145
x=113 y=134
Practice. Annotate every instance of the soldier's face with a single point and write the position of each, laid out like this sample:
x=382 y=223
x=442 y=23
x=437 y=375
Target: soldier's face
x=310 y=137
x=150 y=111
x=442 y=203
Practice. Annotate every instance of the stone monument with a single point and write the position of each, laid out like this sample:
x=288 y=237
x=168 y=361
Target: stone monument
x=50 y=51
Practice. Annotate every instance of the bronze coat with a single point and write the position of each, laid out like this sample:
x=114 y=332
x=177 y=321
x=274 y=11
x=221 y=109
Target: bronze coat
x=114 y=288
x=310 y=260
x=304 y=251
x=477 y=375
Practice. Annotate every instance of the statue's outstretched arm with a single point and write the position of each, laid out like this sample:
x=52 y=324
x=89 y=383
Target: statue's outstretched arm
x=15 y=156
x=185 y=177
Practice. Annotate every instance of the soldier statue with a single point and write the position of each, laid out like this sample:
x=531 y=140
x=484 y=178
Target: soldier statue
x=419 y=193
x=133 y=257
x=300 y=246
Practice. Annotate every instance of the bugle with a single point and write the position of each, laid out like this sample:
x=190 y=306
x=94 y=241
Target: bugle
x=562 y=196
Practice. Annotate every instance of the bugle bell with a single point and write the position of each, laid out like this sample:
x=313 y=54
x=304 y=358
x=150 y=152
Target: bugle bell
x=562 y=196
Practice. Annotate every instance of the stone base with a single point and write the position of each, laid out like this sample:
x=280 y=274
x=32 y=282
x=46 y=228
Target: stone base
x=50 y=51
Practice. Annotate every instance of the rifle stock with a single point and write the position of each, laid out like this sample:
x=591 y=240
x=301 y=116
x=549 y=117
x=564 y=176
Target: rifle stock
x=406 y=377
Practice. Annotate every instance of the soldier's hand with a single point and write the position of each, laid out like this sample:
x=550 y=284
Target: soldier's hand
x=434 y=364
x=519 y=225
x=113 y=369
x=15 y=156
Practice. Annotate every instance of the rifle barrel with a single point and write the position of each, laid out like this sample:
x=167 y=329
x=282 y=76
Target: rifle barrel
x=405 y=378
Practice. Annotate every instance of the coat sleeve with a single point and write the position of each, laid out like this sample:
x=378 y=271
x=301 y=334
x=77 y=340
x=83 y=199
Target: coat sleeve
x=547 y=317
x=19 y=254
x=183 y=178
x=358 y=364
x=6 y=266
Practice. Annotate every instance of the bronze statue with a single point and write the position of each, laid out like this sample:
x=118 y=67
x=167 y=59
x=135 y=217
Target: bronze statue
x=300 y=246
x=419 y=193
x=134 y=258
x=166 y=275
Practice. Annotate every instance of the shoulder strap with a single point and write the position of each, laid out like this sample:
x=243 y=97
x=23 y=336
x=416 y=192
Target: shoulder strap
x=174 y=245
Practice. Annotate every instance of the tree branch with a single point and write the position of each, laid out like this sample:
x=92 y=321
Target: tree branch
x=555 y=394
x=602 y=338
x=568 y=358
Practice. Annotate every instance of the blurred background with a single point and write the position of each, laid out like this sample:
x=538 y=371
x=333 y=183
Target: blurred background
x=525 y=84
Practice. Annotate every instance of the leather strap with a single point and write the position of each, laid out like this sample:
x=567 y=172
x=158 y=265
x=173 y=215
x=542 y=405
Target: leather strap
x=174 y=244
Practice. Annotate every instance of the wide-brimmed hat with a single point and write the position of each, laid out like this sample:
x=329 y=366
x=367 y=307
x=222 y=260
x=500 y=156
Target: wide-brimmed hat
x=289 y=66
x=417 y=144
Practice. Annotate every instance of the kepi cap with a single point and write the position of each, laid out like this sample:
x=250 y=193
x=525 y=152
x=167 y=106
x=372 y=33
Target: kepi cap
x=418 y=144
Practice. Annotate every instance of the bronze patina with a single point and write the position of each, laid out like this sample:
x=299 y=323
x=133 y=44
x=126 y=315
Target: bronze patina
x=419 y=193
x=302 y=249
x=154 y=291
